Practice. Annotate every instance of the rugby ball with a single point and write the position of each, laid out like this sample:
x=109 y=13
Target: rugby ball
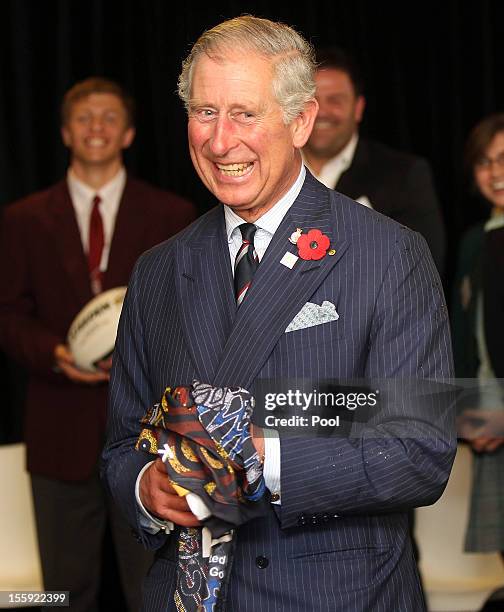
x=92 y=334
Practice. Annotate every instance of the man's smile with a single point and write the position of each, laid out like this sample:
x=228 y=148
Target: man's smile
x=237 y=169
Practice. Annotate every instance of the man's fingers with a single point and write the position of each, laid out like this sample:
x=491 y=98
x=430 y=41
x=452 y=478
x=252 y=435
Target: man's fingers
x=479 y=444
x=79 y=376
x=186 y=519
x=106 y=364
x=170 y=501
x=493 y=444
x=160 y=498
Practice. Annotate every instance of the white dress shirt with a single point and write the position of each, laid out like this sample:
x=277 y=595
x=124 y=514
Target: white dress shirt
x=82 y=196
x=332 y=170
x=266 y=225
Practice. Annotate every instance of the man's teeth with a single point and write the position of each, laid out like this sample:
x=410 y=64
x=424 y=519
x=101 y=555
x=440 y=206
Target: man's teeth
x=234 y=169
x=498 y=185
x=96 y=142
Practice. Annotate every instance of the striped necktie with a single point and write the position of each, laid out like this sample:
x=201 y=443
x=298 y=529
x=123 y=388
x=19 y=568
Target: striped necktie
x=96 y=243
x=246 y=262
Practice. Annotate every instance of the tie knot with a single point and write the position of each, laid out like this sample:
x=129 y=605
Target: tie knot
x=96 y=201
x=247 y=231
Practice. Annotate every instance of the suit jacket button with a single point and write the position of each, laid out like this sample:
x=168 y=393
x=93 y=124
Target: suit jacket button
x=275 y=497
x=302 y=520
x=136 y=535
x=314 y=519
x=262 y=562
x=326 y=517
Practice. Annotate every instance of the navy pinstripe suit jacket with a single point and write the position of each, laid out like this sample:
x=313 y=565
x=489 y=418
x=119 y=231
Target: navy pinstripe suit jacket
x=180 y=322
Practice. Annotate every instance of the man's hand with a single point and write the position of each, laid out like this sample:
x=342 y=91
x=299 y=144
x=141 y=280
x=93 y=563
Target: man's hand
x=258 y=440
x=159 y=497
x=483 y=429
x=65 y=362
x=486 y=445
x=105 y=365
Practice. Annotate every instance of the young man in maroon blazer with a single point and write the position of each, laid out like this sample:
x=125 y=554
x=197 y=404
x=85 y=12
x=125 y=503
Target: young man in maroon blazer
x=59 y=247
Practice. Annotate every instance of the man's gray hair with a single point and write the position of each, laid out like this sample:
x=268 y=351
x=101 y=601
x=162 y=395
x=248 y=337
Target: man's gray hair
x=292 y=56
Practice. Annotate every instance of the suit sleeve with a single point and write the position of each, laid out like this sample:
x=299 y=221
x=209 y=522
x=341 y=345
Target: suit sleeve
x=404 y=459
x=420 y=209
x=130 y=396
x=23 y=336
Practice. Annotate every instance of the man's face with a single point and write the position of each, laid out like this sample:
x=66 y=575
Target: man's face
x=340 y=112
x=489 y=172
x=240 y=146
x=96 y=130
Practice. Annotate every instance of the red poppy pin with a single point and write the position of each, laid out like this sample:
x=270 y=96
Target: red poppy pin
x=312 y=245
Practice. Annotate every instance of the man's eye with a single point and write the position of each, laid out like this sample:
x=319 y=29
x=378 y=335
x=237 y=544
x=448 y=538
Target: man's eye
x=204 y=114
x=244 y=117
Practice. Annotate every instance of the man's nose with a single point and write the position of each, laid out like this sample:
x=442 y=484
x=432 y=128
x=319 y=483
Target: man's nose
x=497 y=165
x=322 y=109
x=223 y=138
x=96 y=124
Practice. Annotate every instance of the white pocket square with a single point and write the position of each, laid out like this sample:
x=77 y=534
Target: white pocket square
x=313 y=314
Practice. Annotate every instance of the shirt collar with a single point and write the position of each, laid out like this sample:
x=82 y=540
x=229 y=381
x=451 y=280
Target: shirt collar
x=348 y=152
x=340 y=162
x=271 y=219
x=495 y=222
x=80 y=191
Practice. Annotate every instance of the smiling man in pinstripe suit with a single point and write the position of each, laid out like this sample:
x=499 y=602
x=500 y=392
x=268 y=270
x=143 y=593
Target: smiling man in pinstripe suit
x=335 y=536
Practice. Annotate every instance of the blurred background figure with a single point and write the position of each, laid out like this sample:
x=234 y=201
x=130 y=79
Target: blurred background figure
x=394 y=183
x=59 y=248
x=478 y=336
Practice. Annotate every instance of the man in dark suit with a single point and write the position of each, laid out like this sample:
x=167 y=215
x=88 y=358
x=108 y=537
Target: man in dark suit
x=46 y=278
x=340 y=292
x=393 y=183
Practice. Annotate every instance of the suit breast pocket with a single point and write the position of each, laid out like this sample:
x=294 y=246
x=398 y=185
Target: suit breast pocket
x=309 y=352
x=314 y=336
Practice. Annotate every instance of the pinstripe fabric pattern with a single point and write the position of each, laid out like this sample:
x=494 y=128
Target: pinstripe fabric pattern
x=180 y=321
x=246 y=262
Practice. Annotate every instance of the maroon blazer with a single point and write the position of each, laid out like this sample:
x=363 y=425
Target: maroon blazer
x=44 y=282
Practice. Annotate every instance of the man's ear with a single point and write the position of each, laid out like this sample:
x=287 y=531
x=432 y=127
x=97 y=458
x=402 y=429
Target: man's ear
x=129 y=136
x=360 y=106
x=302 y=125
x=65 y=136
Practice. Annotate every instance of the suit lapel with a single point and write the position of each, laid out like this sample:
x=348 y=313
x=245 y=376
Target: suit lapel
x=353 y=181
x=67 y=238
x=277 y=292
x=128 y=237
x=204 y=285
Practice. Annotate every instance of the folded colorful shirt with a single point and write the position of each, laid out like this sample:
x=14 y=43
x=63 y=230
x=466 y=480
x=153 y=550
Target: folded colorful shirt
x=202 y=434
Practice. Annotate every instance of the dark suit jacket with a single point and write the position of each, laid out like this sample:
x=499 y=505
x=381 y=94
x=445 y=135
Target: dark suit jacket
x=399 y=186
x=480 y=269
x=44 y=282
x=493 y=273
x=468 y=279
x=180 y=322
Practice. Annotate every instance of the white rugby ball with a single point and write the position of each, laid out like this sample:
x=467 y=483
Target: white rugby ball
x=92 y=334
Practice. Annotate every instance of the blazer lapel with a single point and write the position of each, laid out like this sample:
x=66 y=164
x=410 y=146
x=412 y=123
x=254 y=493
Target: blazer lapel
x=353 y=181
x=128 y=237
x=204 y=285
x=68 y=240
x=277 y=292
